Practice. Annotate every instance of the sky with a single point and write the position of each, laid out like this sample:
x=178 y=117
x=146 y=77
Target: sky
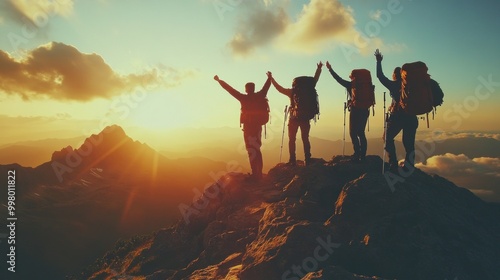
x=70 y=68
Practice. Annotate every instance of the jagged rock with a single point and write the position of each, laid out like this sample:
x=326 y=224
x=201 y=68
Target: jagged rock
x=227 y=269
x=277 y=251
x=61 y=155
x=335 y=272
x=295 y=188
x=329 y=220
x=427 y=223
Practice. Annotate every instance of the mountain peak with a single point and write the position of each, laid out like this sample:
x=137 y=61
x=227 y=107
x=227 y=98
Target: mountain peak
x=103 y=150
x=330 y=220
x=115 y=130
x=61 y=155
x=110 y=136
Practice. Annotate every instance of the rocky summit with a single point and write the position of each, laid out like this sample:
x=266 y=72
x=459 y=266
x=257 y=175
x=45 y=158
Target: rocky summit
x=327 y=220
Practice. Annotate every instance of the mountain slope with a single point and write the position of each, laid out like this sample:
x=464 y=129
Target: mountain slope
x=73 y=208
x=331 y=220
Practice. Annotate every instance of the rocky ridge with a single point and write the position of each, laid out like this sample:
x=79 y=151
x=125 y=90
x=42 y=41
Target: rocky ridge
x=330 y=220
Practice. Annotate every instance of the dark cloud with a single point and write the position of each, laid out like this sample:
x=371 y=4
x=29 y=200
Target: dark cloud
x=62 y=72
x=259 y=28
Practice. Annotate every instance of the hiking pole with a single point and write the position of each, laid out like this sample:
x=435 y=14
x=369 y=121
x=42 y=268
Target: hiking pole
x=385 y=132
x=368 y=120
x=283 y=134
x=345 y=108
x=343 y=138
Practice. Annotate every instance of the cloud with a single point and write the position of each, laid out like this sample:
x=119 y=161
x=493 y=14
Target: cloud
x=451 y=164
x=320 y=21
x=62 y=72
x=319 y=24
x=35 y=12
x=259 y=28
x=480 y=175
x=440 y=135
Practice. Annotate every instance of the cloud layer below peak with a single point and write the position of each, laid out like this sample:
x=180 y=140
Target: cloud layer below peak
x=480 y=175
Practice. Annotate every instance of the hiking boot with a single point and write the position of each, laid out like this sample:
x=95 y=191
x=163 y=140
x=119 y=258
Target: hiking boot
x=407 y=168
x=292 y=162
x=354 y=157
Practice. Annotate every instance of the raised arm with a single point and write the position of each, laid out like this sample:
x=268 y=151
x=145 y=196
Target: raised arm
x=267 y=84
x=339 y=80
x=236 y=94
x=318 y=71
x=380 y=74
x=279 y=88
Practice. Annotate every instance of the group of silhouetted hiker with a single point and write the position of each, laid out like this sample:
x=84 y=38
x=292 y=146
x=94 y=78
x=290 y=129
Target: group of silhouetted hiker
x=411 y=89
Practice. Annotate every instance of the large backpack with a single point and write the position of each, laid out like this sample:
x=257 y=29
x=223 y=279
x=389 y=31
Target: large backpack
x=437 y=94
x=362 y=89
x=254 y=110
x=416 y=93
x=305 y=105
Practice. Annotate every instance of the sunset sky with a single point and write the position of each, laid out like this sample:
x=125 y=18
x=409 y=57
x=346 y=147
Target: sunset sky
x=70 y=68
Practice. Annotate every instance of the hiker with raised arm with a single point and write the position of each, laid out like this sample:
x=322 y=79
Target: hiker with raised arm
x=361 y=94
x=398 y=119
x=254 y=114
x=303 y=108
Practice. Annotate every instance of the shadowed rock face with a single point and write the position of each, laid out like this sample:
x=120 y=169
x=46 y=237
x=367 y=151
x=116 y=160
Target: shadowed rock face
x=330 y=220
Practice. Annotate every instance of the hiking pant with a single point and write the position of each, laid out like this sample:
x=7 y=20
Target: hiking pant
x=408 y=123
x=357 y=123
x=253 y=141
x=293 y=127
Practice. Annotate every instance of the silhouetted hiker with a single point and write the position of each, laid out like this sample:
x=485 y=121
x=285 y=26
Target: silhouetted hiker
x=361 y=96
x=398 y=119
x=303 y=107
x=254 y=114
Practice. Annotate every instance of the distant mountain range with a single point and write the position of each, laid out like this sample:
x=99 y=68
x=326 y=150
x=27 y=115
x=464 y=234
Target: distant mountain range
x=232 y=149
x=225 y=144
x=74 y=207
x=472 y=147
x=34 y=153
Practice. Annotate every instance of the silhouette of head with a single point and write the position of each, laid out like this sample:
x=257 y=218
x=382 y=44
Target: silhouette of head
x=396 y=75
x=250 y=88
x=303 y=83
